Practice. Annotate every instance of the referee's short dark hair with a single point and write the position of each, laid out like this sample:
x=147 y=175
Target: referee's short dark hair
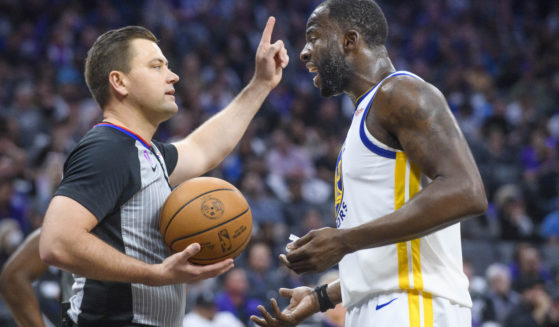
x=365 y=16
x=111 y=51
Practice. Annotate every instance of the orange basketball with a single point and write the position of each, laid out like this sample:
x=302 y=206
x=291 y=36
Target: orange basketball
x=209 y=211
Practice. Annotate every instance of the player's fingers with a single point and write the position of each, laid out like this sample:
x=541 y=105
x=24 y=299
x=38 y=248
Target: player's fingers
x=269 y=319
x=275 y=307
x=305 y=239
x=296 y=255
x=301 y=267
x=267 y=33
x=283 y=259
x=286 y=292
x=259 y=321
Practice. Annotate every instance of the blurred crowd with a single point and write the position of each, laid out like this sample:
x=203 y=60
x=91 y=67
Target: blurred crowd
x=497 y=63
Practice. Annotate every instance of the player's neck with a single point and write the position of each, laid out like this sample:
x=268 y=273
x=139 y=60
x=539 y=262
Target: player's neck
x=131 y=120
x=373 y=66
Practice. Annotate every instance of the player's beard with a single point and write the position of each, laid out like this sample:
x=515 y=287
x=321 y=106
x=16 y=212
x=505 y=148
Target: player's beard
x=333 y=72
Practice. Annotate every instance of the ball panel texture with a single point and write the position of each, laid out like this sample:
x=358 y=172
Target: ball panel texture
x=209 y=211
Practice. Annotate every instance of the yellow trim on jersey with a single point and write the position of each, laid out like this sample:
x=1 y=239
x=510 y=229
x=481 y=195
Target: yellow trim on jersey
x=411 y=248
x=400 y=198
x=363 y=95
x=413 y=306
x=403 y=280
x=416 y=265
x=427 y=309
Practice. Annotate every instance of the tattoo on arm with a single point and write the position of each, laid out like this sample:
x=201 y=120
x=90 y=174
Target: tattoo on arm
x=418 y=116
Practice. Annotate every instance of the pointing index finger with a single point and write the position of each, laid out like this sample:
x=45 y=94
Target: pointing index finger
x=267 y=33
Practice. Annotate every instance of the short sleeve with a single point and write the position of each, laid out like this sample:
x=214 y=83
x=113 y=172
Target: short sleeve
x=99 y=175
x=169 y=153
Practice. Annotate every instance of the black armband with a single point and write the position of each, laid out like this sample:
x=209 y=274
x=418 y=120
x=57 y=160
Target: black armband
x=323 y=299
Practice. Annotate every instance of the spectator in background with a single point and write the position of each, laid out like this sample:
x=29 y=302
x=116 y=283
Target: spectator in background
x=194 y=290
x=476 y=287
x=540 y=177
x=549 y=229
x=264 y=207
x=205 y=314
x=296 y=206
x=535 y=306
x=554 y=311
x=13 y=204
x=234 y=296
x=284 y=160
x=267 y=211
x=263 y=280
x=516 y=225
x=527 y=265
x=497 y=160
x=500 y=298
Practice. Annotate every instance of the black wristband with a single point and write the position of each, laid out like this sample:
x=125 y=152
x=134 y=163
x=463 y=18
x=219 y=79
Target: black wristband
x=323 y=299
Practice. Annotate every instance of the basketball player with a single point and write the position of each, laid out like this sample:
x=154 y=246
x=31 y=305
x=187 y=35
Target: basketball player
x=405 y=177
x=19 y=272
x=102 y=223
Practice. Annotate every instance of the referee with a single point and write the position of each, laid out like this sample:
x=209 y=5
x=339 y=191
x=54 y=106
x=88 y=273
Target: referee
x=102 y=224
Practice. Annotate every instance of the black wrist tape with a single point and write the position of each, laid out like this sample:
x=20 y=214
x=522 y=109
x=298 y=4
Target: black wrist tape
x=323 y=299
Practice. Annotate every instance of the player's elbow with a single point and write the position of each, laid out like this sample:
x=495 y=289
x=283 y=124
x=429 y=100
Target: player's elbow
x=475 y=198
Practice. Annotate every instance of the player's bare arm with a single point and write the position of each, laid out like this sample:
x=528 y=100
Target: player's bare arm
x=23 y=268
x=418 y=116
x=411 y=115
x=303 y=303
x=67 y=242
x=209 y=144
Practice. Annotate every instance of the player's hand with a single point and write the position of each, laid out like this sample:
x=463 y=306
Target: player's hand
x=302 y=305
x=315 y=252
x=177 y=269
x=271 y=58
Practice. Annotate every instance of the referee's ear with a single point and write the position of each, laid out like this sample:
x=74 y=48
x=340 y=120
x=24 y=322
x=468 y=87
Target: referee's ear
x=118 y=82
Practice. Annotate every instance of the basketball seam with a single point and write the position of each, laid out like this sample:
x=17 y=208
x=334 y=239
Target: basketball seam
x=223 y=256
x=184 y=205
x=207 y=229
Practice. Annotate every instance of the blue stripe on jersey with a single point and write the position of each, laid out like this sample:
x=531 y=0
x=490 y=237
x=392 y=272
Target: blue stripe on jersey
x=125 y=131
x=370 y=145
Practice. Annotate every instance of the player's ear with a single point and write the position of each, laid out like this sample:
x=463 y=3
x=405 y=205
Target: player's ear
x=118 y=82
x=351 y=38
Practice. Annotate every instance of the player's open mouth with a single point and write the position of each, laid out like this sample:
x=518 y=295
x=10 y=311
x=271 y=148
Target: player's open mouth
x=314 y=70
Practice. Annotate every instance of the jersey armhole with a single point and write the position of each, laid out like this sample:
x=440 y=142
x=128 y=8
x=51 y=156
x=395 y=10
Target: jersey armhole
x=367 y=137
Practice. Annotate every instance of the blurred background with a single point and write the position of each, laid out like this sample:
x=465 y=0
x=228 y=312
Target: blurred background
x=496 y=61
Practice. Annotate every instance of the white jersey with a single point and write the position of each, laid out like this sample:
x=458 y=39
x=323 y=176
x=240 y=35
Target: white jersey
x=373 y=180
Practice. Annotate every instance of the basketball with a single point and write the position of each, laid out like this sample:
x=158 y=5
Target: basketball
x=208 y=211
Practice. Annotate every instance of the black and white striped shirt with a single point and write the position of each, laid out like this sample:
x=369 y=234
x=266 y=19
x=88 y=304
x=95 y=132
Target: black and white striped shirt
x=123 y=181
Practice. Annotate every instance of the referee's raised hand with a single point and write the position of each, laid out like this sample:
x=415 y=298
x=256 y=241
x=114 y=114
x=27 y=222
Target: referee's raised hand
x=271 y=58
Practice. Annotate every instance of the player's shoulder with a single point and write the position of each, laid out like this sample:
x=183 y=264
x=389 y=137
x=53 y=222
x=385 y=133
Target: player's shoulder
x=405 y=86
x=404 y=100
x=406 y=91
